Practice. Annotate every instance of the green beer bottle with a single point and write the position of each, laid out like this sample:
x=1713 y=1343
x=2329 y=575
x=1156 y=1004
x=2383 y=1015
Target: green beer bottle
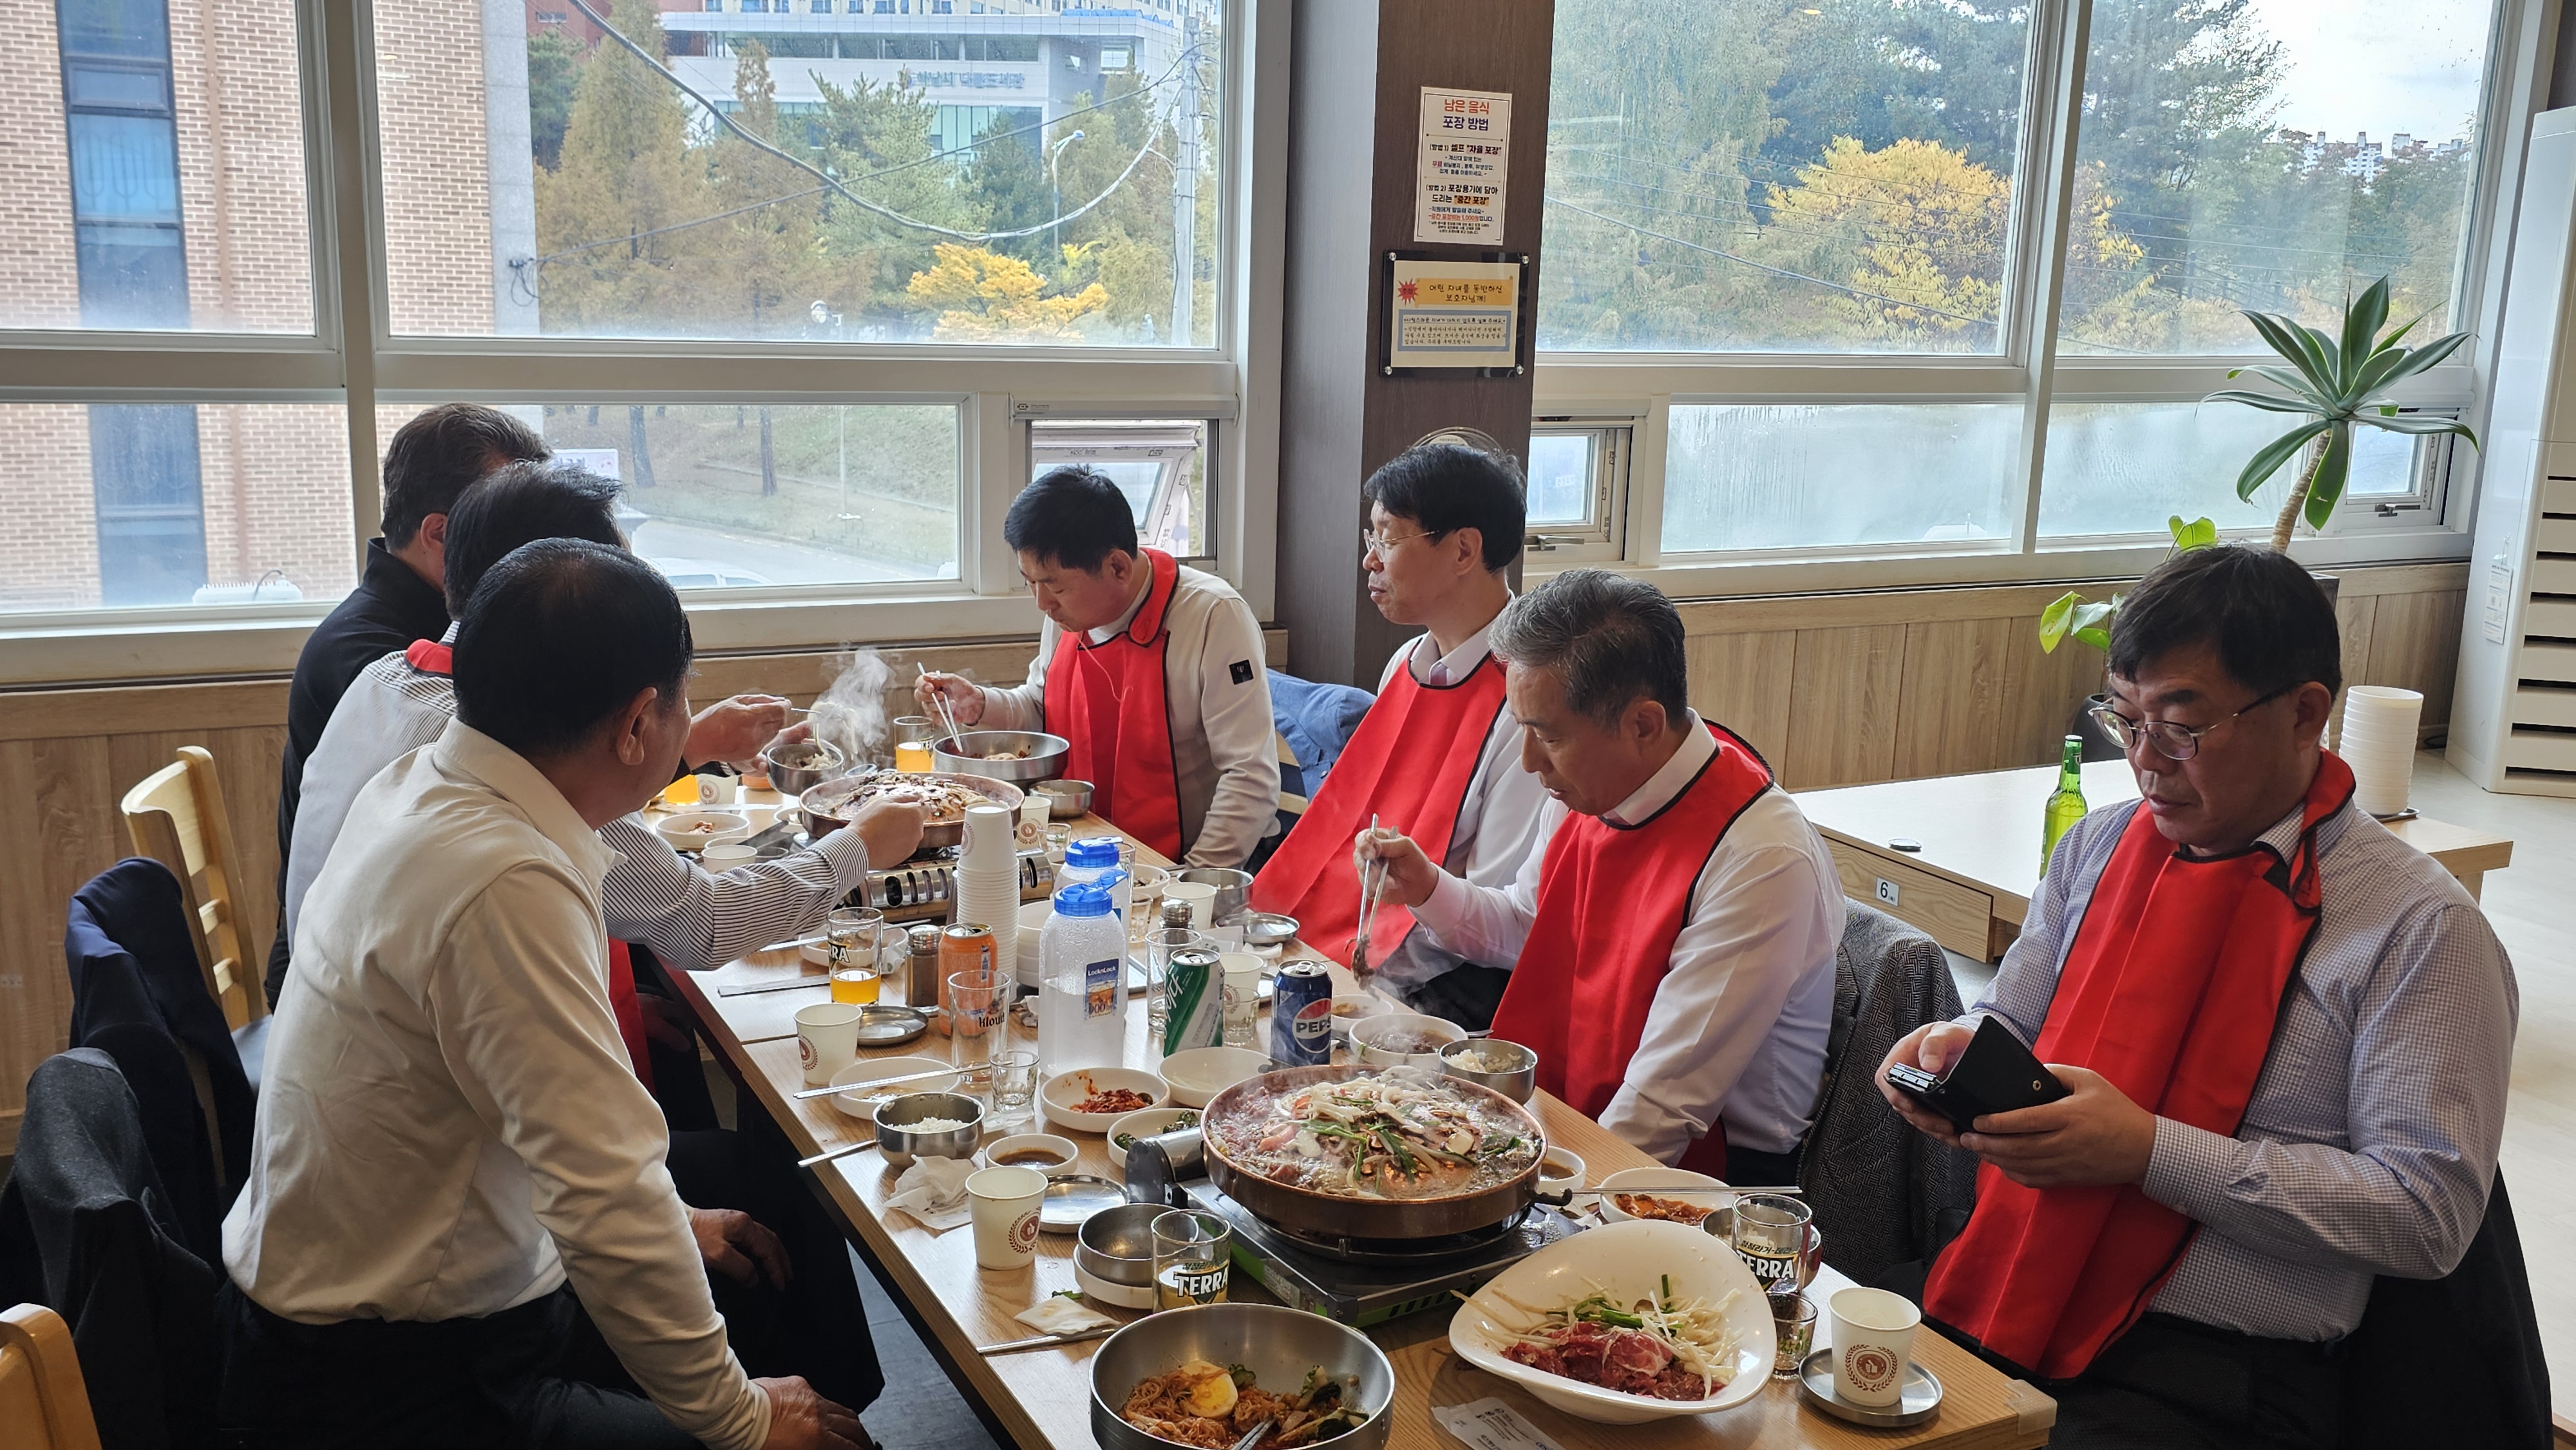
x=2066 y=805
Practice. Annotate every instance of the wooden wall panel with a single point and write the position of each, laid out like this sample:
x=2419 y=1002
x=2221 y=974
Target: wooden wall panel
x=1843 y=706
x=2415 y=645
x=1743 y=682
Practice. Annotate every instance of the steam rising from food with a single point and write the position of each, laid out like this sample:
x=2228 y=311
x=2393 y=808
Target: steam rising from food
x=851 y=712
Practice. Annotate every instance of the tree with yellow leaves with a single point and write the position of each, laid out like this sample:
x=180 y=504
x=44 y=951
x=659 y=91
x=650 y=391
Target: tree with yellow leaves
x=983 y=296
x=1915 y=229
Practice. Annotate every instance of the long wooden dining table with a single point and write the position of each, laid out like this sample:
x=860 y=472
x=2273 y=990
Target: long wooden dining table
x=1040 y=1399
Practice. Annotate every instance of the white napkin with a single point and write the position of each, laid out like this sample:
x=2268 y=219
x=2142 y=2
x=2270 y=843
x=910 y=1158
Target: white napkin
x=933 y=1191
x=1056 y=1314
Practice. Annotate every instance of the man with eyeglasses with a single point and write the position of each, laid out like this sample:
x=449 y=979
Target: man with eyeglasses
x=1437 y=757
x=1152 y=670
x=2286 y=1034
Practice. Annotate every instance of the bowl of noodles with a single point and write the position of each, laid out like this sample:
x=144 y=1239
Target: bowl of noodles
x=1156 y=1383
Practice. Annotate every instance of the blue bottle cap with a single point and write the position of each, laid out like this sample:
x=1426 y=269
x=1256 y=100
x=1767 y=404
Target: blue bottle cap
x=1082 y=898
x=1092 y=851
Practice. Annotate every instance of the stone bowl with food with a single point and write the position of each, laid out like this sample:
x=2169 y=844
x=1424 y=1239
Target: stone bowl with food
x=1092 y=1099
x=1506 y=1067
x=1148 y=1123
x=797 y=766
x=1404 y=1039
x=697 y=830
x=1205 y=1376
x=1625 y=1324
x=1022 y=757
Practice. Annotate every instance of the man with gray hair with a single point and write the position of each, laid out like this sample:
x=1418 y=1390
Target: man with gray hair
x=1674 y=941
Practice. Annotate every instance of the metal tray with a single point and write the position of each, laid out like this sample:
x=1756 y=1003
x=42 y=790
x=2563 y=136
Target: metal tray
x=886 y=1024
x=1073 y=1197
x=1921 y=1399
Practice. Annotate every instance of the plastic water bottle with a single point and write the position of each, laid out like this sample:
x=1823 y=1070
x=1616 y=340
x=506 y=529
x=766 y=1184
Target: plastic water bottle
x=1095 y=859
x=1082 y=969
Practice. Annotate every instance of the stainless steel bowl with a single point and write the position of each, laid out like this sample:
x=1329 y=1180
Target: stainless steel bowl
x=1065 y=799
x=1278 y=1345
x=798 y=779
x=1233 y=891
x=1042 y=758
x=1516 y=1082
x=1117 y=1244
x=898 y=1143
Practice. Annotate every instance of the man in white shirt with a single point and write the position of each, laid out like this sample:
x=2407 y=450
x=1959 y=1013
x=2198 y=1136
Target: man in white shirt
x=456 y=1182
x=1438 y=756
x=1162 y=693
x=1675 y=940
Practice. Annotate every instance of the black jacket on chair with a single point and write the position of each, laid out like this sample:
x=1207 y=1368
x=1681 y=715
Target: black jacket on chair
x=133 y=965
x=86 y=1231
x=2454 y=1360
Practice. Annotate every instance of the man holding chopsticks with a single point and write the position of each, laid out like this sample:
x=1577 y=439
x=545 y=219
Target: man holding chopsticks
x=1438 y=756
x=1674 y=941
x=1154 y=672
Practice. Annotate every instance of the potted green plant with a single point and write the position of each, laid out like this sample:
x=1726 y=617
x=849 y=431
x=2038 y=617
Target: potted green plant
x=2333 y=383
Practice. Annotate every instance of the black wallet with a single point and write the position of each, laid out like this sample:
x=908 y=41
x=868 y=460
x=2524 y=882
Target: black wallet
x=1994 y=1074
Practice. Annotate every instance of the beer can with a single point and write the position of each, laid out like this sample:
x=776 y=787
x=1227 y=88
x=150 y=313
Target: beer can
x=1194 y=983
x=1301 y=1016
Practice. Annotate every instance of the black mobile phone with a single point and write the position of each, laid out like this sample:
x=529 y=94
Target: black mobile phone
x=1995 y=1073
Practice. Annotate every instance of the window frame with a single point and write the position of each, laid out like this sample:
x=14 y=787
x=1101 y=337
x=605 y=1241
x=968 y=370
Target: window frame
x=2028 y=371
x=353 y=360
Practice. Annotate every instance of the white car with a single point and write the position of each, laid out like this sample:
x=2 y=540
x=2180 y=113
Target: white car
x=705 y=574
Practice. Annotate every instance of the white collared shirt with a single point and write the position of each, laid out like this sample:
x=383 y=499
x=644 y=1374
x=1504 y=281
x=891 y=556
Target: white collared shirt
x=448 y=1126
x=1738 y=1026
x=1498 y=821
x=1217 y=691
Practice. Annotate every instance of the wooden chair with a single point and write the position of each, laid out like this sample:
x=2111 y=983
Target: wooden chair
x=43 y=1405
x=176 y=817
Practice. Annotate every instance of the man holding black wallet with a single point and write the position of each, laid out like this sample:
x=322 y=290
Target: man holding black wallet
x=2284 y=1037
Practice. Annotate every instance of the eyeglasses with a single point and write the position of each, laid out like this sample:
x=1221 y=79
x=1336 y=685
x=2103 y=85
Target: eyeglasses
x=1380 y=545
x=2174 y=742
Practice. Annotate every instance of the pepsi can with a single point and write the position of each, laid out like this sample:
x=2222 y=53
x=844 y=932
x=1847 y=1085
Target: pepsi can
x=1301 y=1016
x=1194 y=984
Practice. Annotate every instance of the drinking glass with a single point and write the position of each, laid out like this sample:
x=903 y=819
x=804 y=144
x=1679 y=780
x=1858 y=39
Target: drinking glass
x=1793 y=1319
x=975 y=1024
x=1160 y=943
x=856 y=936
x=1144 y=902
x=1242 y=998
x=1771 y=1233
x=1015 y=1085
x=854 y=984
x=913 y=757
x=1193 y=1256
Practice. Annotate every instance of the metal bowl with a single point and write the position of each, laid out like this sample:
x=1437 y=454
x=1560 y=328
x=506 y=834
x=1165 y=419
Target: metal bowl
x=824 y=805
x=1117 y=1244
x=1066 y=799
x=1042 y=756
x=1278 y=1345
x=1268 y=929
x=1516 y=1082
x=895 y=1112
x=1233 y=891
x=798 y=779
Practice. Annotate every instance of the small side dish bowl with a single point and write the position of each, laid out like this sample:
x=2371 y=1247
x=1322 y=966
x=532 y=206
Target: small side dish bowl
x=862 y=1102
x=1350 y=1007
x=1045 y=1152
x=1379 y=1041
x=902 y=1143
x=1065 y=799
x=1062 y=1091
x=697 y=830
x=1148 y=1123
x=1559 y=1171
x=1506 y=1067
x=1647 y=1180
x=1627 y=1262
x=1200 y=1073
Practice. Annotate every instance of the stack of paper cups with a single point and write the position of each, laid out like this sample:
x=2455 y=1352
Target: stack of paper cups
x=2378 y=742
x=988 y=882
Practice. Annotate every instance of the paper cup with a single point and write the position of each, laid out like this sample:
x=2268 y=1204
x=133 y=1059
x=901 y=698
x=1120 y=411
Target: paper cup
x=1873 y=1337
x=990 y=843
x=827 y=1039
x=1006 y=1202
x=720 y=859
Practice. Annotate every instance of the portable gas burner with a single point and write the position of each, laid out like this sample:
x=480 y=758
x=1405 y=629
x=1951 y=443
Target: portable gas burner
x=918 y=889
x=1360 y=1282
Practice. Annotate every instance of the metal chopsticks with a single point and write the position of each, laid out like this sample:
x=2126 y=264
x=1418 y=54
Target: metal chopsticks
x=851 y=1087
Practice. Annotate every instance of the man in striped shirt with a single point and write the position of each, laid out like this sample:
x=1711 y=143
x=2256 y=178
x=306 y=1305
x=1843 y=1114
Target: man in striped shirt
x=2286 y=1036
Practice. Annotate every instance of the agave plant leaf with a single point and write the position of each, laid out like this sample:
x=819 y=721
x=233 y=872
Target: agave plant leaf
x=2362 y=321
x=2409 y=364
x=2268 y=402
x=2418 y=427
x=2268 y=460
x=2327 y=485
x=2315 y=394
x=2285 y=337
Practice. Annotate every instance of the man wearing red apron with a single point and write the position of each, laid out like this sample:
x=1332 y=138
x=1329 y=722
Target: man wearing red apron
x=1437 y=757
x=1675 y=940
x=1152 y=671
x=2286 y=1034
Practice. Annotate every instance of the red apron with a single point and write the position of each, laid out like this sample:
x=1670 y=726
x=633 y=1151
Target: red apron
x=432 y=658
x=2170 y=990
x=1611 y=901
x=1409 y=764
x=1108 y=700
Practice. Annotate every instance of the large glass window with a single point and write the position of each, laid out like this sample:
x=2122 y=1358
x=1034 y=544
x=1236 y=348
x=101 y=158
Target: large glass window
x=155 y=170
x=1851 y=475
x=1160 y=467
x=952 y=176
x=1751 y=175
